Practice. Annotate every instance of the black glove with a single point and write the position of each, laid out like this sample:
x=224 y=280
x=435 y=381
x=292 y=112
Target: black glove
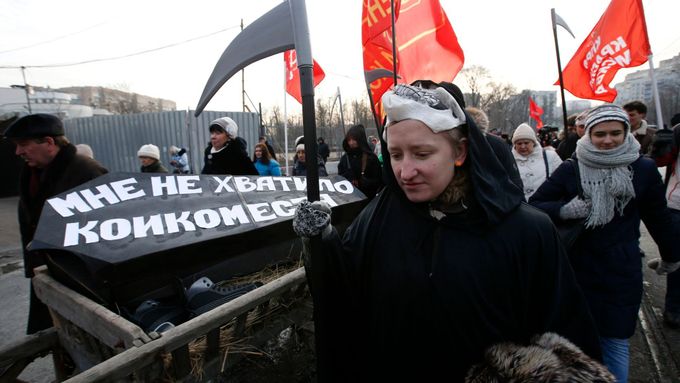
x=312 y=219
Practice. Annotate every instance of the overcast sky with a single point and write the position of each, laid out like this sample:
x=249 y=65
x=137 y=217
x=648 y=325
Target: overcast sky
x=513 y=39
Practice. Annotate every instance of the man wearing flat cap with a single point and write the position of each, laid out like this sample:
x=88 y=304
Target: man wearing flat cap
x=51 y=166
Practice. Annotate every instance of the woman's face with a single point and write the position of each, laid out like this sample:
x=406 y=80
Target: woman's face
x=422 y=161
x=524 y=146
x=218 y=139
x=146 y=161
x=258 y=152
x=607 y=135
x=301 y=156
x=352 y=143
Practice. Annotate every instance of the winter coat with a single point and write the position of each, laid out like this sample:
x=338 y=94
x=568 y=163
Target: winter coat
x=567 y=147
x=271 y=169
x=405 y=296
x=300 y=169
x=644 y=135
x=180 y=162
x=324 y=151
x=504 y=155
x=232 y=159
x=156 y=167
x=65 y=172
x=606 y=259
x=532 y=168
x=368 y=179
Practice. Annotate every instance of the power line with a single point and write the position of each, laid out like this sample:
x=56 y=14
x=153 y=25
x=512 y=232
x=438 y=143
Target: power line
x=52 y=40
x=123 y=56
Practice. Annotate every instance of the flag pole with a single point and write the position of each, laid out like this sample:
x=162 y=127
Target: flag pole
x=655 y=90
x=394 y=43
x=559 y=69
x=285 y=119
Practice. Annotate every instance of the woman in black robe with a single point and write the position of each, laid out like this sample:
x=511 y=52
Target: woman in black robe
x=446 y=262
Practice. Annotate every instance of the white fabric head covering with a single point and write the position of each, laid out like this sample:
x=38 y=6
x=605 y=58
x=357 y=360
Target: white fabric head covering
x=524 y=132
x=435 y=108
x=149 y=150
x=227 y=124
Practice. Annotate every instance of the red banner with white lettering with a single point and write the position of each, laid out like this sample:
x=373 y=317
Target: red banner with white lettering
x=427 y=46
x=293 y=74
x=618 y=40
x=535 y=112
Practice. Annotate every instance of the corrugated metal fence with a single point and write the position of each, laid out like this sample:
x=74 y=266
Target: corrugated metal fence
x=115 y=140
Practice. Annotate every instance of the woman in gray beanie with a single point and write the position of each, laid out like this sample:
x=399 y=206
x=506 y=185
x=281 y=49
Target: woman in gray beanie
x=150 y=158
x=619 y=188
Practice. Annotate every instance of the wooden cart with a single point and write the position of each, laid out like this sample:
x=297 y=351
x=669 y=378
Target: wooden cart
x=107 y=347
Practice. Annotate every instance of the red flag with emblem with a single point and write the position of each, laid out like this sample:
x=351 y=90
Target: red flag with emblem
x=618 y=40
x=535 y=112
x=293 y=75
x=427 y=46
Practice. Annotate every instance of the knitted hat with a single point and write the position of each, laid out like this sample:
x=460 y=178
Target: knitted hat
x=524 y=132
x=225 y=124
x=173 y=150
x=435 y=108
x=85 y=150
x=581 y=119
x=607 y=112
x=149 y=150
x=35 y=126
x=300 y=147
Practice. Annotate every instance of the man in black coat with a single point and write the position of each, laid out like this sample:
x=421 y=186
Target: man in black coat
x=226 y=153
x=51 y=166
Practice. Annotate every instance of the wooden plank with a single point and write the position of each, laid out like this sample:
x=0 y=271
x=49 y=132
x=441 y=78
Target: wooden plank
x=212 y=340
x=133 y=359
x=180 y=362
x=100 y=322
x=28 y=346
x=240 y=325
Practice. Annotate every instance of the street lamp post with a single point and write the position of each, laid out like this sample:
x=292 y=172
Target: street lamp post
x=28 y=99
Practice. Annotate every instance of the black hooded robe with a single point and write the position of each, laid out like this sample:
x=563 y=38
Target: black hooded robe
x=350 y=165
x=406 y=297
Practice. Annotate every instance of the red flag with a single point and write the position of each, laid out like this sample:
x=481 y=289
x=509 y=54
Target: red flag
x=293 y=74
x=535 y=112
x=427 y=46
x=618 y=40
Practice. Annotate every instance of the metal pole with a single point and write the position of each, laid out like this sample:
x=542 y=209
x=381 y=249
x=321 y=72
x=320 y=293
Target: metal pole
x=655 y=90
x=559 y=69
x=285 y=121
x=394 y=43
x=342 y=118
x=28 y=99
x=243 y=81
x=259 y=110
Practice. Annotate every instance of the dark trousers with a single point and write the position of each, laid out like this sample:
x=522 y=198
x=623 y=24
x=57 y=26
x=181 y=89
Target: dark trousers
x=38 y=315
x=673 y=280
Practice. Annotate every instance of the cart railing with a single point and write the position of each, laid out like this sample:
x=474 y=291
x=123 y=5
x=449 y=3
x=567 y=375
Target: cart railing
x=176 y=340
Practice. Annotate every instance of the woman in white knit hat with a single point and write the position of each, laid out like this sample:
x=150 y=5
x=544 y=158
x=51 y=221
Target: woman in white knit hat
x=534 y=163
x=619 y=188
x=149 y=157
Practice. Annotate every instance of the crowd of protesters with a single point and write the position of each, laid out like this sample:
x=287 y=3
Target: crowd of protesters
x=448 y=250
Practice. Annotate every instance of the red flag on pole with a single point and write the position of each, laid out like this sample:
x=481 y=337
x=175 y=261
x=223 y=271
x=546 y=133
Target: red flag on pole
x=293 y=75
x=618 y=40
x=427 y=46
x=535 y=112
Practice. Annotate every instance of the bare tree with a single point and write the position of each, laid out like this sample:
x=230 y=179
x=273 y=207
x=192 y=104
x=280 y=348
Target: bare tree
x=476 y=77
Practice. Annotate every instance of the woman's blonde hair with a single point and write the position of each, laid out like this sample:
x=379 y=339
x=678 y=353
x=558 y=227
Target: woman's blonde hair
x=459 y=187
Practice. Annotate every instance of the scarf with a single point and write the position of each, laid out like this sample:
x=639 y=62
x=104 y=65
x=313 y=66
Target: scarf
x=606 y=178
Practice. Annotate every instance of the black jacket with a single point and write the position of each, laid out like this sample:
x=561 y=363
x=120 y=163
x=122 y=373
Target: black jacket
x=606 y=259
x=404 y=296
x=350 y=165
x=156 y=167
x=233 y=159
x=66 y=171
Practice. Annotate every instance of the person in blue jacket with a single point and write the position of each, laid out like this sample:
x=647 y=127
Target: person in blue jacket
x=264 y=164
x=620 y=187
